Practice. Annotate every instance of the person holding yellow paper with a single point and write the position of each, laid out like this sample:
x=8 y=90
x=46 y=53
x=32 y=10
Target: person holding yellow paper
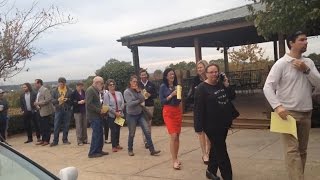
x=288 y=89
x=114 y=100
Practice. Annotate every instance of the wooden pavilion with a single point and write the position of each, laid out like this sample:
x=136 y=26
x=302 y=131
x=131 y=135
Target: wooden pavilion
x=220 y=30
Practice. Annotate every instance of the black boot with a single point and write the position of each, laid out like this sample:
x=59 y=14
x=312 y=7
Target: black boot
x=211 y=175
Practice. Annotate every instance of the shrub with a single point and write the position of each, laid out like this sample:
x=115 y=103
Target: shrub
x=157 y=115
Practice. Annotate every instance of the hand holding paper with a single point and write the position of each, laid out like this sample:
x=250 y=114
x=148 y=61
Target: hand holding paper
x=283 y=126
x=119 y=121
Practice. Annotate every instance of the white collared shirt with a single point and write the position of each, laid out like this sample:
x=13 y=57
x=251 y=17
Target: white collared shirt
x=289 y=87
x=144 y=84
x=28 y=102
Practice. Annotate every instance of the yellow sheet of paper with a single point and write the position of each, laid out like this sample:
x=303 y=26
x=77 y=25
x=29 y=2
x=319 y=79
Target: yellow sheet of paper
x=283 y=126
x=119 y=121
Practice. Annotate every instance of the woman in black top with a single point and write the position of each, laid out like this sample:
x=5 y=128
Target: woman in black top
x=214 y=110
x=203 y=139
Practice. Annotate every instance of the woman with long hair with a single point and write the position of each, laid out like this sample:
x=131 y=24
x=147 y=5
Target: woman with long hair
x=171 y=112
x=203 y=139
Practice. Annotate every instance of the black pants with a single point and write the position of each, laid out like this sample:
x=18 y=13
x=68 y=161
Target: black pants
x=106 y=128
x=30 y=117
x=45 y=128
x=115 y=132
x=218 y=157
x=3 y=126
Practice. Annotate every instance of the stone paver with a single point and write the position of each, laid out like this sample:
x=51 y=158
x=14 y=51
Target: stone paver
x=255 y=154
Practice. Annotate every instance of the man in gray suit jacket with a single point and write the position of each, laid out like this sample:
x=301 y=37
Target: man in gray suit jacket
x=45 y=107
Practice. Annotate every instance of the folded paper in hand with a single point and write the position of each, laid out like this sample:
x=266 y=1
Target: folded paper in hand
x=119 y=121
x=283 y=126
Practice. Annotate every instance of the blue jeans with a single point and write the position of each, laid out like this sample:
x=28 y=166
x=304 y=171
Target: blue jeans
x=132 y=121
x=59 y=117
x=97 y=136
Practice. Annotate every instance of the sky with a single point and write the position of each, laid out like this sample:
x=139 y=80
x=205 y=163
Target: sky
x=76 y=51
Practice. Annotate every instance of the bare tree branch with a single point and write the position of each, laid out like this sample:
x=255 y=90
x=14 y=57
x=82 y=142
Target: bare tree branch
x=18 y=32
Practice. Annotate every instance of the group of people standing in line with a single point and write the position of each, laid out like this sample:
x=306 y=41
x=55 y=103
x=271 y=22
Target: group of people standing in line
x=288 y=89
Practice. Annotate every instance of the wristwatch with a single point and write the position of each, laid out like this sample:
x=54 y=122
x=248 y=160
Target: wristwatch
x=307 y=71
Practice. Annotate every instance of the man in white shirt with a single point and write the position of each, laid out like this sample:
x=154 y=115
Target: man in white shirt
x=288 y=89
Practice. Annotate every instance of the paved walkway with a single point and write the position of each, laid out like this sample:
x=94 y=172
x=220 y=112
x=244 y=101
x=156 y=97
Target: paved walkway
x=255 y=154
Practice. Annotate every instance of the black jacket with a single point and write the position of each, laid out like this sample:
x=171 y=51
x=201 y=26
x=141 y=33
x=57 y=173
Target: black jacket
x=33 y=97
x=150 y=88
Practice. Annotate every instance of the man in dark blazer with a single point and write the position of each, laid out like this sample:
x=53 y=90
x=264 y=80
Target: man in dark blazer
x=27 y=99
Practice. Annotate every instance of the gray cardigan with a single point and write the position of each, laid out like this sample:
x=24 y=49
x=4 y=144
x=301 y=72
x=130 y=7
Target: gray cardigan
x=133 y=100
x=109 y=100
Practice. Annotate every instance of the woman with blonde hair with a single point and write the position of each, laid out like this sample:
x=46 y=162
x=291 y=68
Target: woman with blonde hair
x=203 y=139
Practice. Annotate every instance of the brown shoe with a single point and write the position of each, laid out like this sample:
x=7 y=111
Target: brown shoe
x=45 y=143
x=39 y=143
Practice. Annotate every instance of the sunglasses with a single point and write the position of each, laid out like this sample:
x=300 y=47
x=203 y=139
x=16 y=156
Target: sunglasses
x=111 y=85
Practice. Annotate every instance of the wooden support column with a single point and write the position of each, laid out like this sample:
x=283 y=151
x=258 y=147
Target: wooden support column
x=135 y=59
x=226 y=59
x=197 y=48
x=282 y=46
x=275 y=51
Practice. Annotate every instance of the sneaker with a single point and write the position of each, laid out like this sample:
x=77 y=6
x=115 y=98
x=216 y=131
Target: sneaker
x=119 y=147
x=45 y=143
x=107 y=142
x=53 y=144
x=104 y=153
x=28 y=141
x=95 y=155
x=39 y=143
x=80 y=144
x=130 y=153
x=114 y=149
x=66 y=142
x=154 y=152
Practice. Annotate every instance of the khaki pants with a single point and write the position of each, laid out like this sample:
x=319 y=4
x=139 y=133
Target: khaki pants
x=149 y=121
x=296 y=149
x=81 y=127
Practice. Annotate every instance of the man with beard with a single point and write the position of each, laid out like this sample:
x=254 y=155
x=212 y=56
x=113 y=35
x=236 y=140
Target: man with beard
x=288 y=89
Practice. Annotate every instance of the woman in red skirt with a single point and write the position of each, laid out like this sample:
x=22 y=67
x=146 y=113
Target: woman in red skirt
x=171 y=112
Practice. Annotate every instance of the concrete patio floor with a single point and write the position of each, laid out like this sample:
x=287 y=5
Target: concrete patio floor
x=254 y=154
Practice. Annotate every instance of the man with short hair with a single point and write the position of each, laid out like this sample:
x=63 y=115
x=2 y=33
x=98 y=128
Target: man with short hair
x=288 y=89
x=150 y=93
x=27 y=99
x=44 y=106
x=94 y=112
x=61 y=99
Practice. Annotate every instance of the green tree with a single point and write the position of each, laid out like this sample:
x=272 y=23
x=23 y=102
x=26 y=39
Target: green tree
x=285 y=16
x=157 y=74
x=248 y=57
x=183 y=66
x=315 y=57
x=18 y=32
x=120 y=71
x=219 y=62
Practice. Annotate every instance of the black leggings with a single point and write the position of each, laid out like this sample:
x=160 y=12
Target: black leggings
x=218 y=157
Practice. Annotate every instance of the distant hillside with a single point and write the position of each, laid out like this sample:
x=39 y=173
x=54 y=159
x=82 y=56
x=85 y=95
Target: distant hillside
x=47 y=84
